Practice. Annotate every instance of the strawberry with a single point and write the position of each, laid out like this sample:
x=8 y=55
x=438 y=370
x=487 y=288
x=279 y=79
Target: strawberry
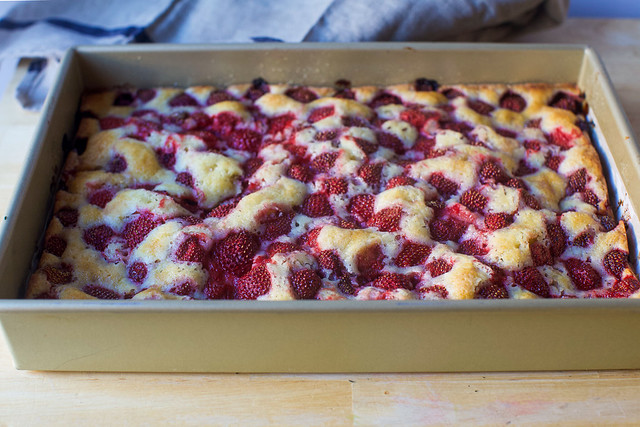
x=626 y=286
x=392 y=281
x=473 y=200
x=185 y=178
x=145 y=95
x=425 y=85
x=258 y=88
x=370 y=261
x=281 y=247
x=496 y=221
x=317 y=205
x=438 y=267
x=354 y=121
x=320 y=113
x=300 y=172
x=190 y=250
x=184 y=289
x=345 y=286
x=345 y=94
x=561 y=139
x=424 y=144
x=480 y=107
x=276 y=223
x=531 y=201
x=492 y=290
x=136 y=231
x=371 y=173
x=166 y=158
x=301 y=94
x=435 y=291
x=532 y=280
x=196 y=121
x=68 y=217
x=137 y=272
x=615 y=262
x=384 y=99
x=577 y=181
x=101 y=197
x=473 y=247
x=539 y=253
x=251 y=166
x=512 y=101
x=533 y=145
x=123 y=99
x=335 y=186
x=566 y=102
x=217 y=289
x=391 y=142
x=183 y=100
x=400 y=180
x=101 y=292
x=451 y=93
x=524 y=169
x=412 y=254
x=236 y=251
x=553 y=162
x=305 y=283
x=111 y=122
x=582 y=274
x=557 y=239
x=443 y=230
x=388 y=219
x=584 y=239
x=492 y=171
x=361 y=205
x=59 y=274
x=445 y=186
x=279 y=123
x=330 y=260
x=217 y=96
x=117 y=164
x=255 y=283
x=415 y=118
x=98 y=236
x=224 y=123
x=607 y=222
x=326 y=135
x=310 y=238
x=516 y=183
x=507 y=133
x=324 y=162
x=590 y=197
x=245 y=139
x=55 y=245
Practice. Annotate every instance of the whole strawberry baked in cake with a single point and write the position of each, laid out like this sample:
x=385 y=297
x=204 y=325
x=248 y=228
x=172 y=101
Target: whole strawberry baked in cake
x=279 y=192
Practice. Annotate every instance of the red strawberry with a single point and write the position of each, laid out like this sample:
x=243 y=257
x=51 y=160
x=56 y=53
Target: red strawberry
x=276 y=223
x=582 y=274
x=531 y=201
x=300 y=172
x=324 y=162
x=539 y=254
x=473 y=200
x=496 y=221
x=491 y=171
x=320 y=113
x=301 y=94
x=557 y=239
x=492 y=291
x=391 y=281
x=111 y=122
x=215 y=288
x=280 y=123
x=451 y=93
x=391 y=142
x=607 y=222
x=166 y=158
x=473 y=247
x=590 y=197
x=447 y=229
x=507 y=133
x=118 y=164
x=101 y=197
x=371 y=173
x=512 y=101
x=331 y=261
x=281 y=247
x=236 y=251
x=445 y=186
x=99 y=236
x=615 y=262
x=305 y=283
x=388 y=219
x=335 y=186
x=124 y=99
x=532 y=145
x=400 y=180
x=258 y=88
x=425 y=85
x=184 y=289
x=412 y=254
x=185 y=178
x=424 y=144
x=310 y=238
x=101 y=292
x=255 y=283
x=190 y=250
x=346 y=286
x=416 y=118
x=317 y=205
x=59 y=274
x=384 y=99
x=561 y=139
x=480 y=107
x=577 y=181
x=224 y=123
x=584 y=239
x=218 y=96
x=145 y=95
x=326 y=135
x=532 y=280
x=439 y=267
x=553 y=162
x=196 y=121
x=354 y=121
x=361 y=205
x=626 y=286
x=137 y=272
x=516 y=183
x=251 y=166
x=524 y=169
x=136 y=231
x=68 y=217
x=245 y=139
x=566 y=102
x=183 y=100
x=370 y=261
x=55 y=245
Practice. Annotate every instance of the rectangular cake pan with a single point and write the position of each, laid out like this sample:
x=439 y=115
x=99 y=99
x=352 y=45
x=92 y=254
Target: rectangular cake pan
x=315 y=336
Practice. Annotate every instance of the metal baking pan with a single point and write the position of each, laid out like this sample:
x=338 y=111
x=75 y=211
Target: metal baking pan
x=316 y=336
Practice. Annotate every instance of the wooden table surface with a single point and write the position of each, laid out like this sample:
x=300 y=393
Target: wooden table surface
x=567 y=398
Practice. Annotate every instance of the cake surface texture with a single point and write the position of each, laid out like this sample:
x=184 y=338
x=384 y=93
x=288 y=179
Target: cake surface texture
x=279 y=192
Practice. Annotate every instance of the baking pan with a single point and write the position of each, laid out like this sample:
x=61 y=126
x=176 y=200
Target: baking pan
x=315 y=336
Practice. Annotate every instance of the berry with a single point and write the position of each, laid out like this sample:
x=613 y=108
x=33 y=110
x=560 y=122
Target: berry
x=317 y=205
x=335 y=186
x=392 y=281
x=391 y=142
x=218 y=96
x=516 y=183
x=245 y=139
x=582 y=274
x=190 y=250
x=320 y=113
x=371 y=173
x=566 y=102
x=400 y=180
x=331 y=261
x=472 y=247
x=124 y=99
x=252 y=165
x=626 y=286
x=491 y=171
x=196 y=121
x=424 y=144
x=388 y=219
x=305 y=283
x=607 y=222
x=310 y=238
x=60 y=274
x=68 y=217
x=118 y=164
x=553 y=162
x=224 y=123
x=111 y=122
x=412 y=254
x=345 y=286
x=166 y=158
x=280 y=123
x=480 y=107
x=561 y=139
x=326 y=135
x=524 y=169
x=384 y=99
x=615 y=262
x=366 y=146
x=183 y=100
x=236 y=251
x=361 y=205
x=135 y=231
x=100 y=197
x=447 y=229
x=473 y=200
x=557 y=239
x=416 y=118
x=445 y=186
x=276 y=223
x=255 y=283
x=258 y=88
x=184 y=289
x=496 y=221
x=590 y=197
x=540 y=254
x=577 y=181
x=324 y=162
x=101 y=292
x=532 y=280
x=533 y=145
x=438 y=267
x=492 y=291
x=301 y=94
x=425 y=85
x=281 y=248
x=300 y=172
x=370 y=261
x=137 y=272
x=55 y=245
x=145 y=95
x=531 y=201
x=354 y=121
x=584 y=239
x=451 y=93
x=512 y=101
x=99 y=236
x=185 y=178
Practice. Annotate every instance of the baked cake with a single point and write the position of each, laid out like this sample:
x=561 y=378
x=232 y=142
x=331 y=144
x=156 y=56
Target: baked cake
x=277 y=192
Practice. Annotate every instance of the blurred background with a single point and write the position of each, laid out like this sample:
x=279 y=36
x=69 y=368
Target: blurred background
x=604 y=9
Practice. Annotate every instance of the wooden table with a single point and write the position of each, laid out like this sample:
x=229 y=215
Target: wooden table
x=567 y=398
